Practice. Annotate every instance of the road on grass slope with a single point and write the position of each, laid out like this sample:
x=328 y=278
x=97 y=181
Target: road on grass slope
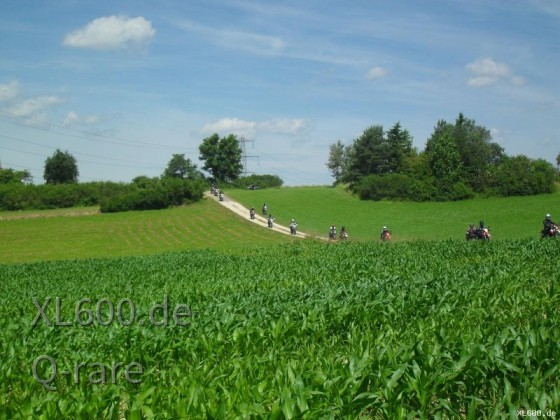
x=243 y=211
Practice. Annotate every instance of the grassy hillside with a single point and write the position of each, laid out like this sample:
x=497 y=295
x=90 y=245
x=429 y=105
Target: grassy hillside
x=446 y=329
x=84 y=233
x=316 y=208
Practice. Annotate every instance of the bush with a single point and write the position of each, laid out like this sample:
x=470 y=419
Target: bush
x=262 y=181
x=520 y=175
x=393 y=187
x=160 y=195
x=152 y=199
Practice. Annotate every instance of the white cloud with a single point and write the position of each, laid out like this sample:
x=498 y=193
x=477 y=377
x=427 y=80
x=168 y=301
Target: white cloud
x=9 y=91
x=92 y=119
x=249 y=128
x=283 y=126
x=34 y=105
x=70 y=119
x=376 y=73
x=236 y=39
x=486 y=71
x=112 y=33
x=230 y=125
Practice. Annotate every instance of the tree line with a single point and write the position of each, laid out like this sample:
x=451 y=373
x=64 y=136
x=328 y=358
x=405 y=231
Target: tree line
x=180 y=183
x=459 y=161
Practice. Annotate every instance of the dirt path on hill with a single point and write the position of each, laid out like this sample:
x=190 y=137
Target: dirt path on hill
x=243 y=211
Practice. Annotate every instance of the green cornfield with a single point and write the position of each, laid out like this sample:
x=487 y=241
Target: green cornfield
x=304 y=329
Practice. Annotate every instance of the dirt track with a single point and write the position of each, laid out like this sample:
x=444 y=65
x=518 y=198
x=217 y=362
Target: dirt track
x=242 y=211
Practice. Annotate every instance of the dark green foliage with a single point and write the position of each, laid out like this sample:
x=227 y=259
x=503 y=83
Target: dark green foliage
x=61 y=168
x=393 y=187
x=262 y=181
x=50 y=196
x=108 y=194
x=222 y=157
x=11 y=176
x=149 y=199
x=520 y=175
x=369 y=155
x=179 y=167
x=165 y=193
x=459 y=161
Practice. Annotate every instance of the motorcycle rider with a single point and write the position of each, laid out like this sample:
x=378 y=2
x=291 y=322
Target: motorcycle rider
x=384 y=233
x=343 y=233
x=252 y=213
x=482 y=231
x=471 y=232
x=293 y=227
x=332 y=232
x=270 y=221
x=264 y=209
x=548 y=225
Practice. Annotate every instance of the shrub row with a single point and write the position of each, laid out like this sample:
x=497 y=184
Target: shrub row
x=111 y=196
x=168 y=192
x=50 y=196
x=262 y=181
x=403 y=187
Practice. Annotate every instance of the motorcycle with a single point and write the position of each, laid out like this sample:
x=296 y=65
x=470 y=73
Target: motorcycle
x=551 y=232
x=343 y=235
x=252 y=214
x=385 y=236
x=221 y=196
x=293 y=229
x=270 y=221
x=332 y=234
x=478 y=234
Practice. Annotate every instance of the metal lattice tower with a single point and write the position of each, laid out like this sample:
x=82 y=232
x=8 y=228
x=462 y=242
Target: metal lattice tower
x=243 y=141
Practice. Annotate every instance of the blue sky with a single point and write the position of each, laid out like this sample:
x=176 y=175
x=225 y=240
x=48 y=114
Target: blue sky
x=123 y=85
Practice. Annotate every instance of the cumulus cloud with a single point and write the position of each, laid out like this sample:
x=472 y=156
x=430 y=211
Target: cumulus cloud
x=486 y=71
x=248 y=128
x=112 y=33
x=9 y=91
x=376 y=73
x=33 y=106
x=232 y=125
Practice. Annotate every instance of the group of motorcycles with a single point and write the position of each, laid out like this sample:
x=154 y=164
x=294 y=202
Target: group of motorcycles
x=216 y=191
x=478 y=233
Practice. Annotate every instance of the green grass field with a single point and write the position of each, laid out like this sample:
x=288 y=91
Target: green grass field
x=84 y=233
x=426 y=327
x=77 y=233
x=316 y=208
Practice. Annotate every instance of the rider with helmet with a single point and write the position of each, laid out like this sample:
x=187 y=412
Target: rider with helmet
x=332 y=232
x=548 y=225
x=293 y=227
x=385 y=233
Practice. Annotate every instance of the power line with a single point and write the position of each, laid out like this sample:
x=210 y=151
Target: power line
x=138 y=164
x=84 y=134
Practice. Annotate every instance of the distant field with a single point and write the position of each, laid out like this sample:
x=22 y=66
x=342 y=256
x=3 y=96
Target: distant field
x=85 y=233
x=316 y=208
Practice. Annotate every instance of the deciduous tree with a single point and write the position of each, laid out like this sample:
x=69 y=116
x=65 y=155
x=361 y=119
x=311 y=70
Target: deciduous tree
x=61 y=168
x=222 y=157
